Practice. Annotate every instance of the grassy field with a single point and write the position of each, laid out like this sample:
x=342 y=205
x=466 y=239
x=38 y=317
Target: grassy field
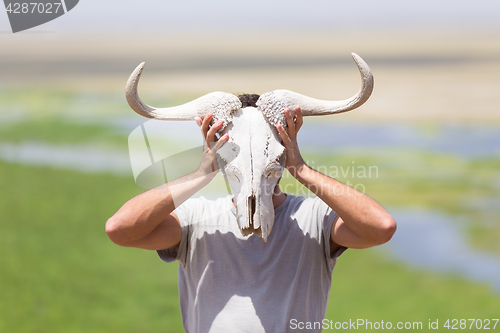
x=52 y=130
x=60 y=273
x=365 y=286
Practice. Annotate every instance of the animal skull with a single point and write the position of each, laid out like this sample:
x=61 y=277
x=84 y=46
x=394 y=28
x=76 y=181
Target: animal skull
x=254 y=170
x=253 y=158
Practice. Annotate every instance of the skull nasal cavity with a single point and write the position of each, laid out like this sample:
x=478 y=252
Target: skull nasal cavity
x=248 y=100
x=251 y=207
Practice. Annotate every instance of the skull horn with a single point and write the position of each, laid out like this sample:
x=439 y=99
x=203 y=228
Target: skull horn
x=221 y=104
x=276 y=100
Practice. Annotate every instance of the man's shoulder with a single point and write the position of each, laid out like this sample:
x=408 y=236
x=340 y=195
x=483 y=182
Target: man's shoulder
x=211 y=200
x=206 y=214
x=307 y=208
x=303 y=201
x=203 y=204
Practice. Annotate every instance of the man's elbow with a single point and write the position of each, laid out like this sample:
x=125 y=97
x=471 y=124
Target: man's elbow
x=387 y=228
x=113 y=230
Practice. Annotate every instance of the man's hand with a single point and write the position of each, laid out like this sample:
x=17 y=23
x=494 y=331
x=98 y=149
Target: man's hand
x=294 y=162
x=208 y=165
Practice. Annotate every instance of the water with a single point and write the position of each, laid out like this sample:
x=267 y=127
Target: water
x=436 y=242
x=464 y=140
x=80 y=158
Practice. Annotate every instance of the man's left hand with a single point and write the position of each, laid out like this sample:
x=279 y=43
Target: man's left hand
x=294 y=161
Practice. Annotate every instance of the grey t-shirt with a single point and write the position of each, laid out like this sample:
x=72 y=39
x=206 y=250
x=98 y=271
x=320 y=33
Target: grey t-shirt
x=234 y=283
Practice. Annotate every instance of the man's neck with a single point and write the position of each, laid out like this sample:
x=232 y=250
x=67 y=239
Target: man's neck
x=278 y=197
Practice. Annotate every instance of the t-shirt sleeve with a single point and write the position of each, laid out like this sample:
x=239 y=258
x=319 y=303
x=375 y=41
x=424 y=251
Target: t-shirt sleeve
x=185 y=215
x=328 y=217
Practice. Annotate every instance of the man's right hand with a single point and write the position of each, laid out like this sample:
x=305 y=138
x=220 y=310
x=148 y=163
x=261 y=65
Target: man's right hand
x=211 y=144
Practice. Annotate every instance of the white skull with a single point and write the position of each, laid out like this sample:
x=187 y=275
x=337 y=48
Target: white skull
x=252 y=161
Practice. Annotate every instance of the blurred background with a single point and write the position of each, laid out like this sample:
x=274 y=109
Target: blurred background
x=430 y=135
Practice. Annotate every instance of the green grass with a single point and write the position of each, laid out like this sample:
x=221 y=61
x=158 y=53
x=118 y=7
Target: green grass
x=60 y=273
x=41 y=102
x=57 y=131
x=38 y=102
x=483 y=237
x=366 y=286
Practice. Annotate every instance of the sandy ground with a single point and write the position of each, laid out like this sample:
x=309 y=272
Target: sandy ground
x=418 y=76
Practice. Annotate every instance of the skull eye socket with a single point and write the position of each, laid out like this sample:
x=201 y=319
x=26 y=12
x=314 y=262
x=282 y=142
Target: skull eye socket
x=232 y=171
x=273 y=171
x=273 y=174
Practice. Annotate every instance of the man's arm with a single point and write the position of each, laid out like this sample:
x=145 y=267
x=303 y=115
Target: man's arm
x=146 y=221
x=362 y=221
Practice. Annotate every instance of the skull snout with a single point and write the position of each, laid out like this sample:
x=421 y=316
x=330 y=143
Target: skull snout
x=252 y=220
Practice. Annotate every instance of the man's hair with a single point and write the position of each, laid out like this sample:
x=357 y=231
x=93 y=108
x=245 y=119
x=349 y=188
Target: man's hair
x=248 y=100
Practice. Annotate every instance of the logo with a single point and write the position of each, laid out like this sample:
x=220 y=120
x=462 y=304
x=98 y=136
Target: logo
x=162 y=151
x=29 y=14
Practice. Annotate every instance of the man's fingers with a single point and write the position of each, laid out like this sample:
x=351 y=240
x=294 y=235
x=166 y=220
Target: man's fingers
x=199 y=121
x=283 y=134
x=206 y=124
x=220 y=142
x=290 y=122
x=211 y=132
x=299 y=119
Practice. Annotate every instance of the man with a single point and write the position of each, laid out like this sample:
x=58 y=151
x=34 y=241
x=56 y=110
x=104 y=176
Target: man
x=234 y=283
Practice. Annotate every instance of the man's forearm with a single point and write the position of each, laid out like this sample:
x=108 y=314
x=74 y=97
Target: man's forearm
x=143 y=213
x=363 y=215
